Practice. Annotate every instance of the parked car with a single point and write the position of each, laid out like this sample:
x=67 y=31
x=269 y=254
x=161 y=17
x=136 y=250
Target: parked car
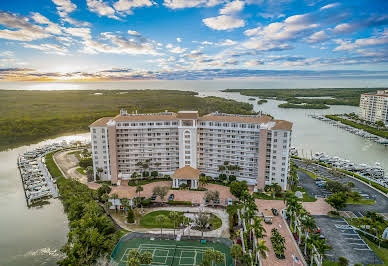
x=322 y=236
x=153 y=197
x=275 y=212
x=171 y=197
x=216 y=202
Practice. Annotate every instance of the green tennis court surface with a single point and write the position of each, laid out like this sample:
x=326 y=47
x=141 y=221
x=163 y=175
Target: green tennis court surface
x=169 y=252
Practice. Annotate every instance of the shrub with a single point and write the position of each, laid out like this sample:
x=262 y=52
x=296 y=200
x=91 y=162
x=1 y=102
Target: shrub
x=232 y=178
x=154 y=173
x=343 y=261
x=130 y=216
x=146 y=174
x=334 y=213
x=85 y=162
x=177 y=202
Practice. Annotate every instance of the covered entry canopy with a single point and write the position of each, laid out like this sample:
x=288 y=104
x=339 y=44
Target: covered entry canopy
x=187 y=176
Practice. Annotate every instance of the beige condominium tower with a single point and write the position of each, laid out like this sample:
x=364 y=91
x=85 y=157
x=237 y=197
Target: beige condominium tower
x=256 y=146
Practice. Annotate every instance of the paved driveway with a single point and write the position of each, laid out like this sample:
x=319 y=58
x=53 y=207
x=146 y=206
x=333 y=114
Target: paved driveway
x=381 y=205
x=345 y=242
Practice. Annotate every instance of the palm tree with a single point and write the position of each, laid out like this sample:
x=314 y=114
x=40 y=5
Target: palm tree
x=308 y=224
x=186 y=222
x=160 y=220
x=262 y=250
x=258 y=227
x=138 y=190
x=203 y=181
x=235 y=252
x=115 y=197
x=124 y=203
x=174 y=217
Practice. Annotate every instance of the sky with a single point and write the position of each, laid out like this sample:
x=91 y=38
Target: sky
x=45 y=40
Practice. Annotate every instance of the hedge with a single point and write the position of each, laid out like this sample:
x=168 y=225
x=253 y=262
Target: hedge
x=52 y=166
x=177 y=202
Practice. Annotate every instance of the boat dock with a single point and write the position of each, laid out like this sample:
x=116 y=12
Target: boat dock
x=38 y=184
x=356 y=131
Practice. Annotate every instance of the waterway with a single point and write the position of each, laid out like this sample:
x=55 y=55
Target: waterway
x=28 y=236
x=34 y=236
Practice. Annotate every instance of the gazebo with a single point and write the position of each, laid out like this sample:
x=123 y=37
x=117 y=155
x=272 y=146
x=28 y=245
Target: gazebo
x=186 y=176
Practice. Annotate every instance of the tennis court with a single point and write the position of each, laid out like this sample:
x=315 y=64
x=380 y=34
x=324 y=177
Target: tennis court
x=169 y=252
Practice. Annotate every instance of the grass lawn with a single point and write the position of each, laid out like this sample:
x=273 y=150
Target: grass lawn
x=261 y=195
x=216 y=222
x=149 y=220
x=361 y=201
x=81 y=170
x=330 y=263
x=311 y=174
x=381 y=252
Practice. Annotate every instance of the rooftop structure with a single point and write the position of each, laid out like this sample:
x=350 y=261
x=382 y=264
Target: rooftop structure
x=254 y=148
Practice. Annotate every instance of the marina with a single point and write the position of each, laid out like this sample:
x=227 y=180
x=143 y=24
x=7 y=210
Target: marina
x=373 y=173
x=355 y=131
x=38 y=184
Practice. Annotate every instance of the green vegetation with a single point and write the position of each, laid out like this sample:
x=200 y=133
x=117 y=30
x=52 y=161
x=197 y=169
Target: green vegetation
x=304 y=106
x=372 y=130
x=215 y=222
x=52 y=166
x=361 y=201
x=381 y=252
x=339 y=96
x=81 y=170
x=261 y=101
x=92 y=233
x=149 y=220
x=141 y=182
x=177 y=202
x=30 y=116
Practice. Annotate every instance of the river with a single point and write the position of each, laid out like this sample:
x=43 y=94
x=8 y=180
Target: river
x=33 y=236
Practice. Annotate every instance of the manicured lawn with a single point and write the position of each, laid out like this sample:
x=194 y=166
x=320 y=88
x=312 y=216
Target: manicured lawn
x=381 y=252
x=361 y=202
x=330 y=263
x=52 y=166
x=216 y=222
x=149 y=220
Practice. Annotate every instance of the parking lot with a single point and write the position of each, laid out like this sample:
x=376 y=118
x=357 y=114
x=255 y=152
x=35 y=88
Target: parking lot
x=381 y=205
x=345 y=241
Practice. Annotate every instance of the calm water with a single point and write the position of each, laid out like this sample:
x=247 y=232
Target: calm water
x=28 y=236
x=34 y=236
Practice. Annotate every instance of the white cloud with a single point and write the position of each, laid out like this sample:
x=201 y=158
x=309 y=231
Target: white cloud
x=23 y=30
x=48 y=48
x=84 y=33
x=224 y=22
x=349 y=46
x=227 y=42
x=319 y=36
x=176 y=4
x=51 y=28
x=64 y=7
x=178 y=39
x=132 y=32
x=126 y=6
x=169 y=46
x=261 y=45
x=177 y=50
x=232 y=7
x=329 y=6
x=101 y=8
x=253 y=63
x=293 y=27
x=344 y=28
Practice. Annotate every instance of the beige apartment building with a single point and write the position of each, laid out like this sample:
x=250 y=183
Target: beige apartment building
x=374 y=106
x=255 y=146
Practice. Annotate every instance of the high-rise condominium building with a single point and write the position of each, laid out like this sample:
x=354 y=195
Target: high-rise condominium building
x=374 y=106
x=254 y=148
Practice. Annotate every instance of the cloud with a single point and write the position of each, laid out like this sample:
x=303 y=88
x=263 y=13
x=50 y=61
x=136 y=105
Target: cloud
x=64 y=7
x=83 y=33
x=23 y=30
x=319 y=36
x=126 y=6
x=261 y=45
x=253 y=63
x=329 y=6
x=227 y=42
x=224 y=22
x=177 y=4
x=118 y=44
x=51 y=26
x=374 y=21
x=48 y=48
x=101 y=8
x=232 y=7
x=178 y=39
x=359 y=43
x=177 y=50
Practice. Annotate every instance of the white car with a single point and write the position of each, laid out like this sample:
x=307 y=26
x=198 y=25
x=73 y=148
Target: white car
x=230 y=202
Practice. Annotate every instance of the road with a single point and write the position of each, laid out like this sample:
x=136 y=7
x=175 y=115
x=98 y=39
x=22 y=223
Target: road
x=381 y=205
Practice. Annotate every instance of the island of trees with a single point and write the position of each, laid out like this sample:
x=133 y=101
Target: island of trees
x=31 y=116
